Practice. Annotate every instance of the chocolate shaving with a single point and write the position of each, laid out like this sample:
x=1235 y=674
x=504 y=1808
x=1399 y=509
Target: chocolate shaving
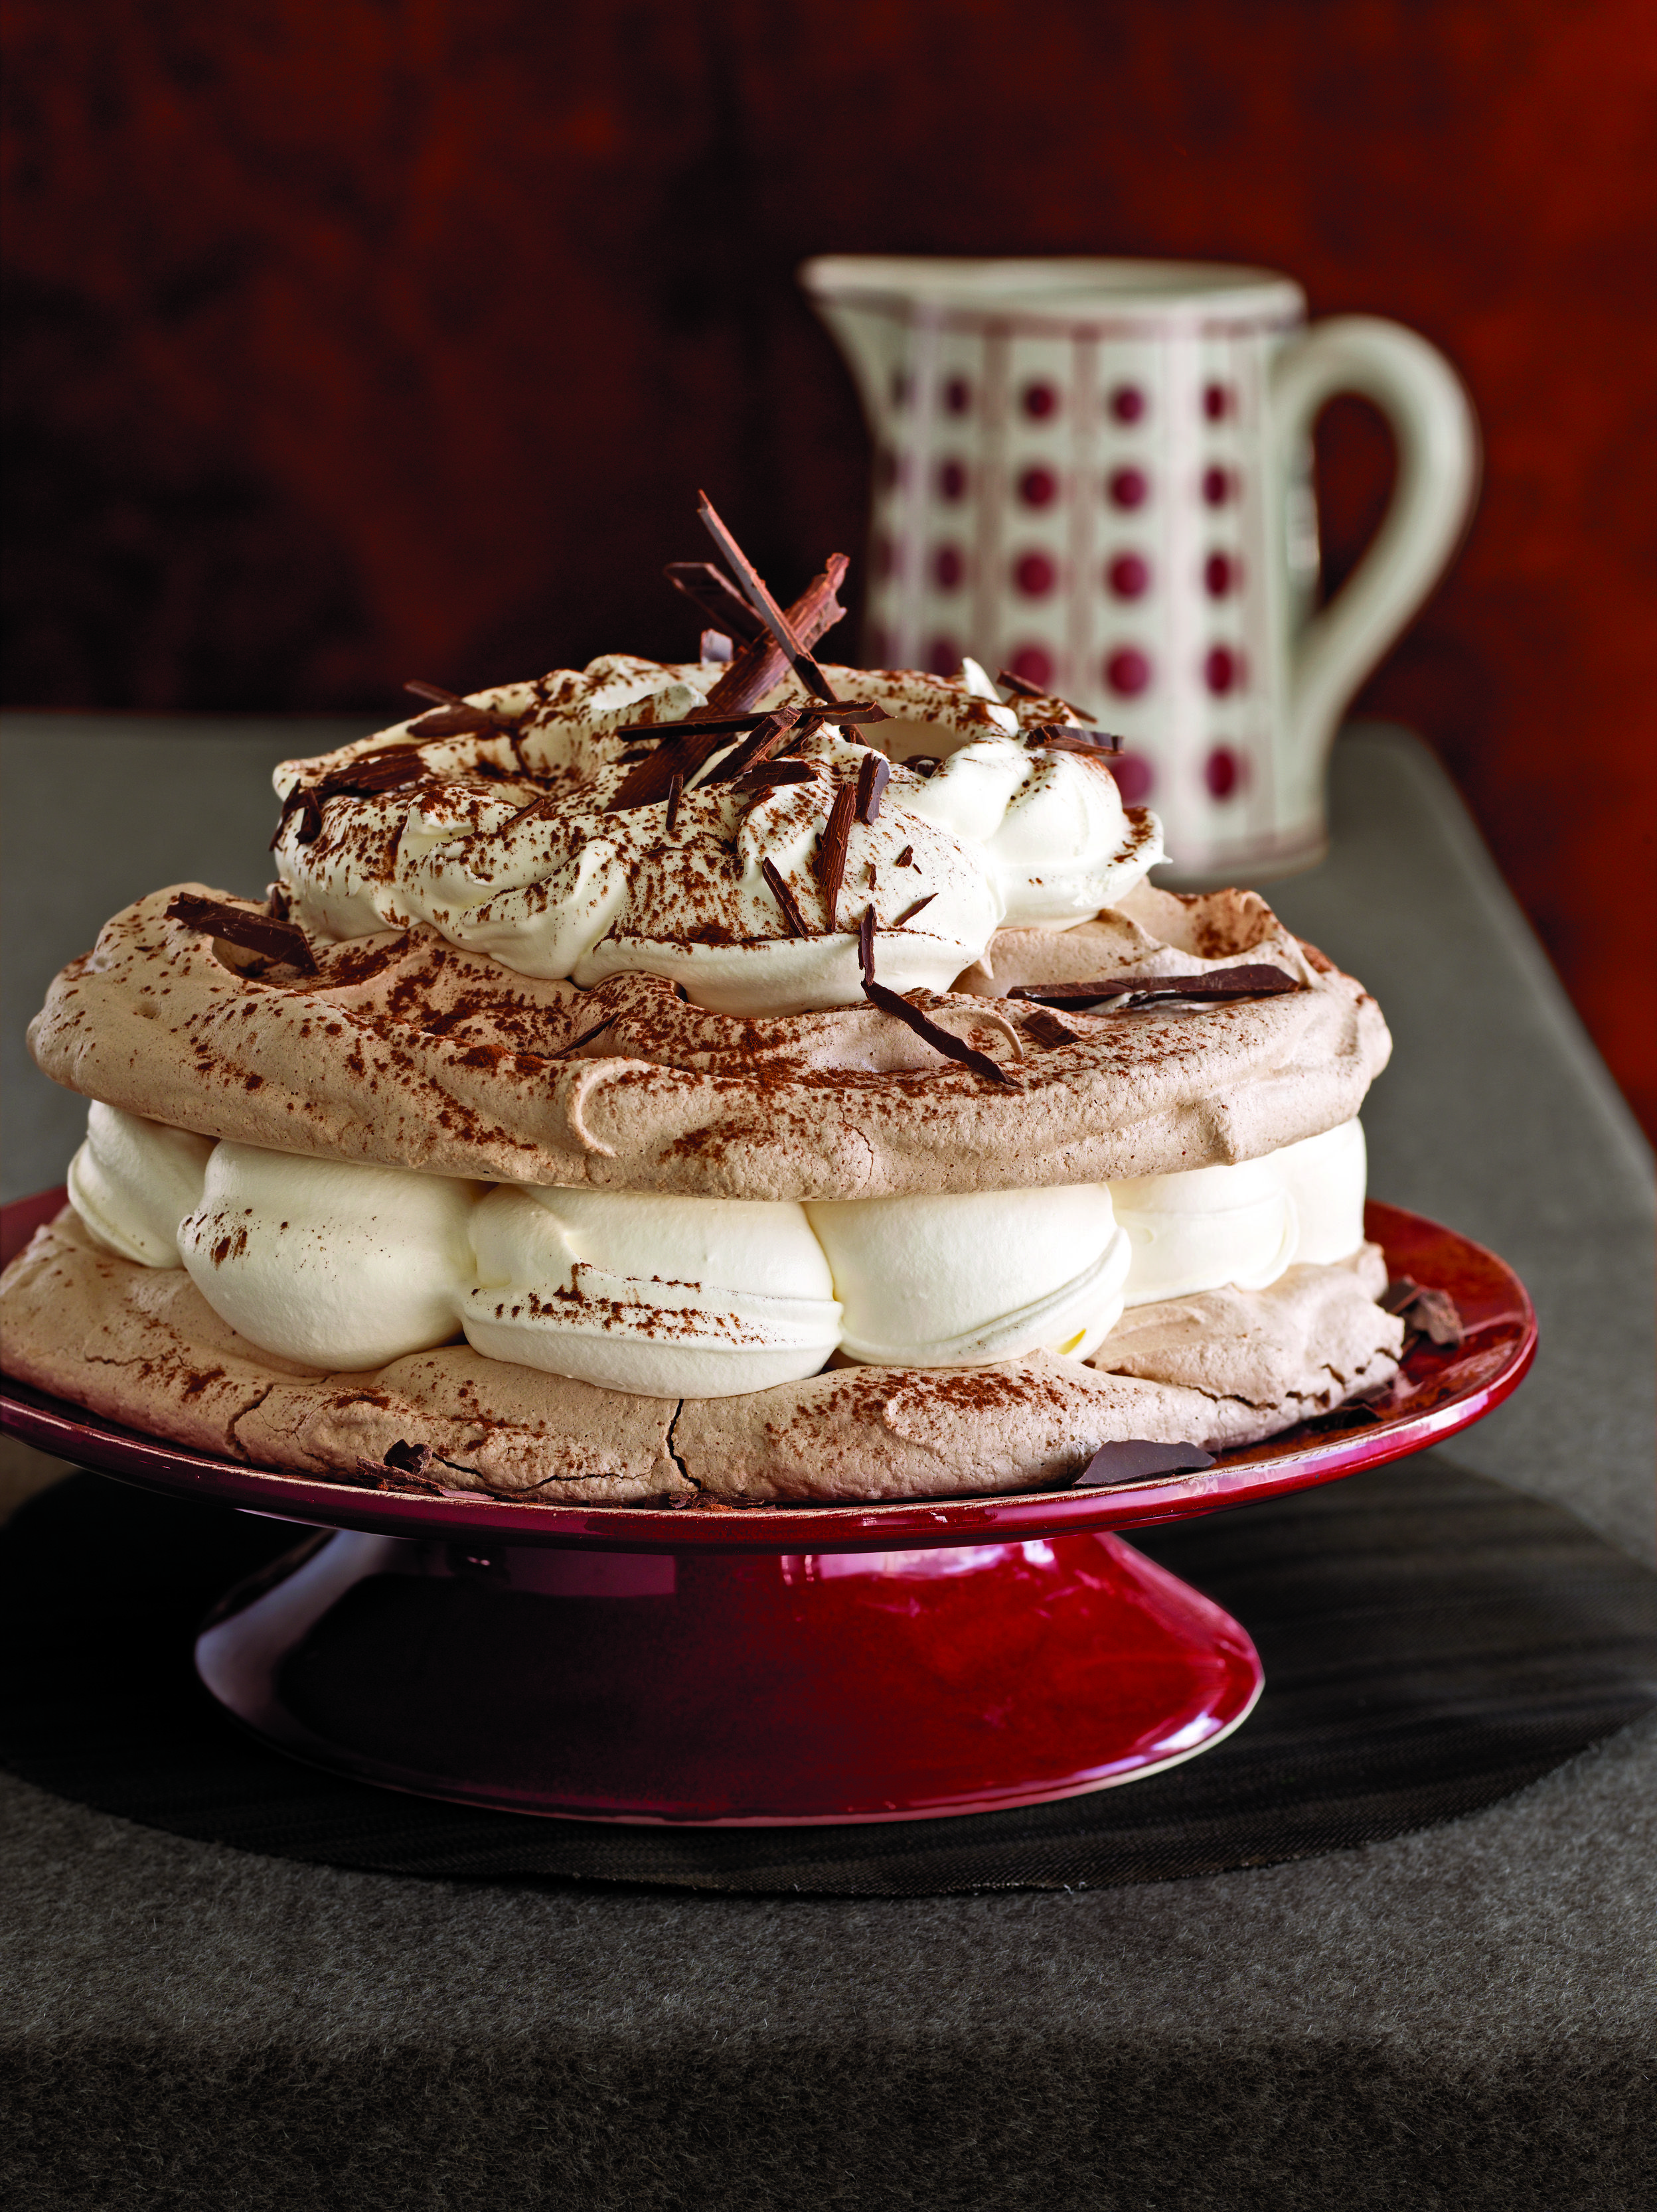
x=675 y=793
x=711 y=592
x=410 y=1459
x=769 y=736
x=586 y=1037
x=767 y=775
x=1020 y=686
x=285 y=942
x=1134 y=1459
x=873 y=778
x=911 y=910
x=690 y=745
x=752 y=585
x=456 y=717
x=760 y=666
x=1048 y=1029
x=388 y=768
x=1432 y=1314
x=1061 y=738
x=923 y=764
x=727 y=726
x=893 y=1003
x=829 y=865
x=784 y=898
x=1256 y=981
x=906 y=859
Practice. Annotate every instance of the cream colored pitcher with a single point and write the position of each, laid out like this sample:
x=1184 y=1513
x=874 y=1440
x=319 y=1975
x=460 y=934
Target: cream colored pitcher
x=1097 y=474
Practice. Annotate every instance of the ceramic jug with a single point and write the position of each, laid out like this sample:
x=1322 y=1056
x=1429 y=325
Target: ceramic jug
x=1097 y=474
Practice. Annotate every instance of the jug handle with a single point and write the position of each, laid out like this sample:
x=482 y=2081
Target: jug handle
x=1436 y=435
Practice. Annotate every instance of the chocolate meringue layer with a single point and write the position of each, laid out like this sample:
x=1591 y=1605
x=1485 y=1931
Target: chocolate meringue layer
x=405 y=1050
x=140 y=1346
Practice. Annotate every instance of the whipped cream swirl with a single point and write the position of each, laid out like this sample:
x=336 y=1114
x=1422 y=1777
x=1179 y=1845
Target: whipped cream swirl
x=510 y=848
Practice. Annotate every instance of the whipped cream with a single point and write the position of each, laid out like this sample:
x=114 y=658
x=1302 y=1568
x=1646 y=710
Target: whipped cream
x=540 y=877
x=960 y=1280
x=1246 y=1223
x=342 y=1266
x=133 y=1182
x=335 y=1266
x=665 y=1296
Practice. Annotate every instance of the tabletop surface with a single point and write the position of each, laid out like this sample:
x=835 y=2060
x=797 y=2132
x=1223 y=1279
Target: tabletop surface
x=1432 y=2021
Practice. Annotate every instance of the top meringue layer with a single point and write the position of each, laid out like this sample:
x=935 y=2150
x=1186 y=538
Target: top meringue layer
x=508 y=849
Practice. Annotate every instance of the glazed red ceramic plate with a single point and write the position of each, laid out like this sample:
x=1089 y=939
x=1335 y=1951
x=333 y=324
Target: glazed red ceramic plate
x=776 y=1666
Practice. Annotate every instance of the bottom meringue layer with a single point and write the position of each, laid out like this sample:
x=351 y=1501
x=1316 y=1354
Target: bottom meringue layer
x=141 y=1346
x=340 y=1266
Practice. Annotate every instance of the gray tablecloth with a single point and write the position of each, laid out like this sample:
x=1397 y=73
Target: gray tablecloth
x=1461 y=2018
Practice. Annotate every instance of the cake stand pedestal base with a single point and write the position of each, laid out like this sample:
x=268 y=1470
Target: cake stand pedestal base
x=730 y=1688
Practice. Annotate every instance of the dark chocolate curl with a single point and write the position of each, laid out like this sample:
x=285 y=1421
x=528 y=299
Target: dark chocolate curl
x=283 y=941
x=752 y=585
x=830 y=865
x=1256 y=980
x=871 y=780
x=785 y=898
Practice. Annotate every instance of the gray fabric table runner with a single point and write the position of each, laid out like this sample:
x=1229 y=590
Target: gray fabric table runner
x=1461 y=2017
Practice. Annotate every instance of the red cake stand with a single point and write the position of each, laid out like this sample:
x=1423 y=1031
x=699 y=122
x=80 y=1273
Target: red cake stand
x=766 y=1667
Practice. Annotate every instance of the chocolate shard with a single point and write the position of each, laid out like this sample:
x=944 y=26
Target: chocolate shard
x=285 y=942
x=829 y=865
x=675 y=793
x=767 y=775
x=388 y=769
x=752 y=585
x=761 y=665
x=586 y=1037
x=1432 y=1314
x=463 y=717
x=1061 y=737
x=757 y=669
x=410 y=1459
x=769 y=735
x=906 y=859
x=873 y=778
x=777 y=884
x=711 y=592
x=309 y=807
x=911 y=910
x=1020 y=686
x=1134 y=1459
x=1258 y=979
x=1049 y=1030
x=933 y=1033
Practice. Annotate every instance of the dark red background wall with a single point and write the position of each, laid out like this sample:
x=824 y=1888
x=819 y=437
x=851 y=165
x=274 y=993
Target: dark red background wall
x=359 y=339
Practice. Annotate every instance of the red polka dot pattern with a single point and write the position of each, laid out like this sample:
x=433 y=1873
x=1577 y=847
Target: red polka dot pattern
x=1035 y=575
x=1128 y=488
x=1034 y=664
x=944 y=657
x=958 y=395
x=1217 y=486
x=1128 y=671
x=1222 y=670
x=1218 y=401
x=1135 y=779
x=1222 y=575
x=1223 y=772
x=948 y=566
x=952 y=481
x=1127 y=402
x=1039 y=402
x=1038 y=486
x=1128 y=577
